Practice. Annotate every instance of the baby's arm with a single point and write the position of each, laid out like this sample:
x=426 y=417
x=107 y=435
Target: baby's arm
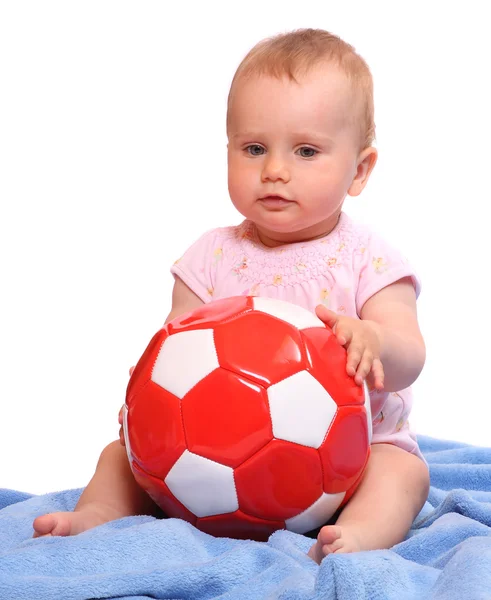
x=183 y=300
x=112 y=493
x=392 y=312
x=386 y=343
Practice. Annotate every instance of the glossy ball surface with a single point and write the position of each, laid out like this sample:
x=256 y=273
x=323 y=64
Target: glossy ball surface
x=240 y=418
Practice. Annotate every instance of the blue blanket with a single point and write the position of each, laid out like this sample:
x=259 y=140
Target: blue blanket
x=446 y=556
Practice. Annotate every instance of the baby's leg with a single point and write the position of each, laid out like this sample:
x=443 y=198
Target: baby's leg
x=112 y=493
x=380 y=513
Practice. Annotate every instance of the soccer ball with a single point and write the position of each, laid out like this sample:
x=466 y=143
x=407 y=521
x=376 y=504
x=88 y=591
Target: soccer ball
x=241 y=419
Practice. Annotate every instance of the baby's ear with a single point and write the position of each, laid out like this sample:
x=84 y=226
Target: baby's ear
x=366 y=162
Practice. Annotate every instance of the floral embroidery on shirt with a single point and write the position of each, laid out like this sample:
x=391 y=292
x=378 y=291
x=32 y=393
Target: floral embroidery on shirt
x=300 y=267
x=240 y=266
x=379 y=264
x=324 y=297
x=210 y=291
x=277 y=279
x=252 y=291
x=331 y=261
x=218 y=255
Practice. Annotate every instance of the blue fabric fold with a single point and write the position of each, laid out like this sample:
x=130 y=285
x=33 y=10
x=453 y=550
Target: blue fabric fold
x=447 y=553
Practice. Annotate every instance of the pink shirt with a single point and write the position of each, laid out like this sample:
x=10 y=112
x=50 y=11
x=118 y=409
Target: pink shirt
x=342 y=271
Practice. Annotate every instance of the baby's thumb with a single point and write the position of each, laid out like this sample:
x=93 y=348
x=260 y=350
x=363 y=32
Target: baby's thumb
x=328 y=316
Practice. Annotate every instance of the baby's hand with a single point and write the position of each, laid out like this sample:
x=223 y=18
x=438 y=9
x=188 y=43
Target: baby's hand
x=362 y=343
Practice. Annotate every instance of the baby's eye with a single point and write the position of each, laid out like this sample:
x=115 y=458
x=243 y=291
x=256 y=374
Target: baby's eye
x=306 y=152
x=255 y=150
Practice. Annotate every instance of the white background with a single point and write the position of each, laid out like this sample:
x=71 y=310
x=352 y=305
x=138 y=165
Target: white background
x=113 y=160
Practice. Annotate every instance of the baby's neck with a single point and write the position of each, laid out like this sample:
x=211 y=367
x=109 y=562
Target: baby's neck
x=273 y=239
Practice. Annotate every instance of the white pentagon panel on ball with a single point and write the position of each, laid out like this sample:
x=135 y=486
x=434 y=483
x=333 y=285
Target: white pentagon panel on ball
x=185 y=358
x=205 y=487
x=368 y=408
x=301 y=410
x=299 y=317
x=316 y=515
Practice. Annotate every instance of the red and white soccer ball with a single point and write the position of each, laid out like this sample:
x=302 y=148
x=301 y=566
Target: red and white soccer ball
x=240 y=418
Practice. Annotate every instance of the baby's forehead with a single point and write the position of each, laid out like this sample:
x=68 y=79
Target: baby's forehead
x=324 y=94
x=326 y=83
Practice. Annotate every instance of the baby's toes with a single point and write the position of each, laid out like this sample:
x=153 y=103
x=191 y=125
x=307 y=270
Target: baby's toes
x=329 y=534
x=52 y=524
x=336 y=546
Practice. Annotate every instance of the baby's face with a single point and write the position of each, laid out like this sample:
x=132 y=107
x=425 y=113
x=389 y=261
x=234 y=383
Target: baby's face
x=293 y=152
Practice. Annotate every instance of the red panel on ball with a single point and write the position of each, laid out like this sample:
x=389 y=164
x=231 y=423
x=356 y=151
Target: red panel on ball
x=226 y=418
x=209 y=315
x=260 y=347
x=280 y=481
x=328 y=360
x=240 y=526
x=155 y=429
x=143 y=370
x=162 y=496
x=345 y=450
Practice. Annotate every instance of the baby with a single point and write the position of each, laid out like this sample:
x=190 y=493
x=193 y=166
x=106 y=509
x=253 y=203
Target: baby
x=300 y=132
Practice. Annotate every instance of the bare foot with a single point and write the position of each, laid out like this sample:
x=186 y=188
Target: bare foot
x=334 y=539
x=72 y=523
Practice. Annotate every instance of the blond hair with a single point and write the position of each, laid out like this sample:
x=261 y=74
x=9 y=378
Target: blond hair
x=295 y=53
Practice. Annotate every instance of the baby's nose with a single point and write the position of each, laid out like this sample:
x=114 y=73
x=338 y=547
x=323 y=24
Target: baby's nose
x=275 y=168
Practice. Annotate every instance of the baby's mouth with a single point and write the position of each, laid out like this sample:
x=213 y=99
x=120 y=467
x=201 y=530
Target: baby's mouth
x=273 y=201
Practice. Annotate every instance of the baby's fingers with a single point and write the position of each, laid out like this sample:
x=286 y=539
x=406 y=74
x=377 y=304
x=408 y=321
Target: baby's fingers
x=354 y=359
x=344 y=335
x=364 y=367
x=377 y=374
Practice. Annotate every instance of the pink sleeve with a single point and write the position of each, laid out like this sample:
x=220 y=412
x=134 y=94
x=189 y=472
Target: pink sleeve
x=379 y=265
x=197 y=266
